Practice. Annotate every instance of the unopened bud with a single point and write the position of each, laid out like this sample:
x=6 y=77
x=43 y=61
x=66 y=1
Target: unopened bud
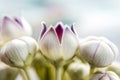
x=98 y=51
x=18 y=52
x=77 y=70
x=109 y=75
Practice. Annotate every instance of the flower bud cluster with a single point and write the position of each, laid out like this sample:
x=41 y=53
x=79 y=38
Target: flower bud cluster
x=58 y=44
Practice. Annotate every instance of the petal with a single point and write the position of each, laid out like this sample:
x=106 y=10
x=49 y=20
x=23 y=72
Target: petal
x=59 y=31
x=104 y=55
x=43 y=31
x=19 y=48
x=10 y=28
x=18 y=21
x=8 y=21
x=26 y=27
x=69 y=44
x=72 y=29
x=88 y=49
x=31 y=44
x=49 y=45
x=112 y=46
x=113 y=75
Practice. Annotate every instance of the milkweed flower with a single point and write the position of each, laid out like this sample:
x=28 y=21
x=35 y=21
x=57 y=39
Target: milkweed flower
x=19 y=52
x=58 y=43
x=109 y=75
x=98 y=51
x=14 y=28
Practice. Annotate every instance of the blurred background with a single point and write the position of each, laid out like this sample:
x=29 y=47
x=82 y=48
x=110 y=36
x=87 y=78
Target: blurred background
x=91 y=17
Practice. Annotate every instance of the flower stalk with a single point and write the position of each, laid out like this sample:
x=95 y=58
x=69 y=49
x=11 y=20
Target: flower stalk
x=59 y=72
x=24 y=73
x=92 y=71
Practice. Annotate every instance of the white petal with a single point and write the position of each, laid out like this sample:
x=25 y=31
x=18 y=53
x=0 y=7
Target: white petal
x=112 y=46
x=113 y=76
x=27 y=27
x=50 y=45
x=88 y=50
x=69 y=44
x=104 y=55
x=10 y=28
x=21 y=48
x=31 y=44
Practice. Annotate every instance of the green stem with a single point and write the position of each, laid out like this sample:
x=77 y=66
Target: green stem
x=59 y=72
x=92 y=71
x=25 y=74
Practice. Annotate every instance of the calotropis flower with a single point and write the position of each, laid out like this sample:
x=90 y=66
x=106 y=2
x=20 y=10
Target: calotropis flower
x=59 y=42
x=109 y=75
x=14 y=27
x=98 y=51
x=19 y=52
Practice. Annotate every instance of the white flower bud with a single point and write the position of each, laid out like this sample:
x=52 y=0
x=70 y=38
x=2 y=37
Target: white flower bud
x=58 y=43
x=14 y=27
x=18 y=52
x=98 y=51
x=109 y=75
x=77 y=70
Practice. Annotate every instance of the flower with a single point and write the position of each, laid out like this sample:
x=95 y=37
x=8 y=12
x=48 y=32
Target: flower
x=19 y=52
x=58 y=43
x=109 y=75
x=98 y=51
x=14 y=28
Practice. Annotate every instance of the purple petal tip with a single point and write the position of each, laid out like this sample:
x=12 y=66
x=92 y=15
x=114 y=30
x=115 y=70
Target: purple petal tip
x=18 y=21
x=6 y=18
x=59 y=31
x=43 y=30
x=72 y=28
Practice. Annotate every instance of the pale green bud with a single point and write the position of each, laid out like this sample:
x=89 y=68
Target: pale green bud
x=78 y=71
